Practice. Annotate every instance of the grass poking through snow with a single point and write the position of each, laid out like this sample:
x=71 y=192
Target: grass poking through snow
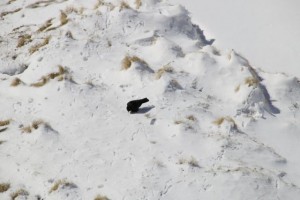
x=4 y=123
x=100 y=197
x=37 y=46
x=23 y=40
x=61 y=183
x=4 y=187
x=128 y=60
x=18 y=193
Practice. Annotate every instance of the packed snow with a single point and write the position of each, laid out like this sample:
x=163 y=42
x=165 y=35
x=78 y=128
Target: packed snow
x=215 y=127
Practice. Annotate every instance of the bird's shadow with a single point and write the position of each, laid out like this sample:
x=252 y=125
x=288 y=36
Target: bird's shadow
x=144 y=110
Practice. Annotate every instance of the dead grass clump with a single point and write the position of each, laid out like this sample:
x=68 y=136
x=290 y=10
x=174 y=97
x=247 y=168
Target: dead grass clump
x=18 y=193
x=24 y=39
x=1 y=142
x=4 y=123
x=10 y=1
x=15 y=82
x=4 y=187
x=63 y=18
x=103 y=3
x=9 y=12
x=39 y=45
x=251 y=81
x=72 y=9
x=219 y=121
x=41 y=83
x=127 y=61
x=178 y=122
x=191 y=118
x=191 y=162
x=35 y=124
x=165 y=69
x=100 y=197
x=138 y=3
x=61 y=183
x=53 y=75
x=26 y=129
x=124 y=5
x=46 y=25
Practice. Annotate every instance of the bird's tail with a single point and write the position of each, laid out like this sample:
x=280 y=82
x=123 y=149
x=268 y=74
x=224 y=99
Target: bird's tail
x=144 y=100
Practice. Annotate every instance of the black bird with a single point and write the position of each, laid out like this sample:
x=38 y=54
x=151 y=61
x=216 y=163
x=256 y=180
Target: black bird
x=133 y=106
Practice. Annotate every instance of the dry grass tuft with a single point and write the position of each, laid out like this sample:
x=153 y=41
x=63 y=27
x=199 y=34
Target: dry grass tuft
x=35 y=124
x=10 y=1
x=251 y=81
x=41 y=83
x=46 y=25
x=124 y=5
x=18 y=193
x=24 y=39
x=163 y=70
x=45 y=79
x=4 y=123
x=72 y=9
x=9 y=12
x=100 y=197
x=191 y=162
x=61 y=183
x=39 y=45
x=219 y=121
x=127 y=62
x=15 y=82
x=4 y=187
x=178 y=122
x=63 y=18
x=26 y=129
x=191 y=118
x=138 y=3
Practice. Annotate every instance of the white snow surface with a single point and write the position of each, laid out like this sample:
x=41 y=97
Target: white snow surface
x=215 y=127
x=265 y=31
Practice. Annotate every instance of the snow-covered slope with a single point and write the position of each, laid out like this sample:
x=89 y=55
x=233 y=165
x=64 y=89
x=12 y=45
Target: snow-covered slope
x=215 y=127
x=266 y=32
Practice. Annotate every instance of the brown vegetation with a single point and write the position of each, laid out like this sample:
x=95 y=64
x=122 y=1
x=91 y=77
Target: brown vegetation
x=23 y=40
x=138 y=3
x=163 y=70
x=9 y=12
x=61 y=183
x=4 y=123
x=36 y=47
x=4 y=187
x=15 y=82
x=127 y=62
x=100 y=197
x=18 y=193
x=251 y=81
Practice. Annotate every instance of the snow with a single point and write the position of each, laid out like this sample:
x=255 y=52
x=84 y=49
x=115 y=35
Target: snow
x=266 y=32
x=216 y=126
